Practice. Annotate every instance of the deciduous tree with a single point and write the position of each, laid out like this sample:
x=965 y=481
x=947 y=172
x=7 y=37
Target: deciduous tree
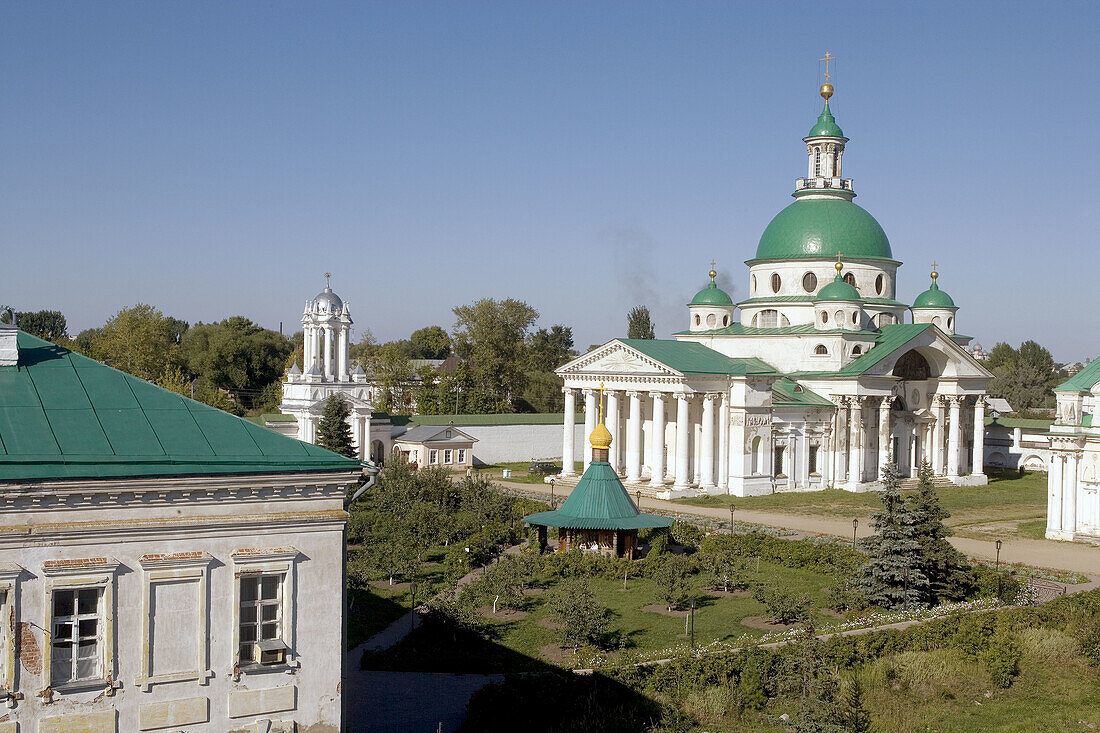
x=491 y=335
x=638 y=323
x=583 y=619
x=430 y=342
x=49 y=325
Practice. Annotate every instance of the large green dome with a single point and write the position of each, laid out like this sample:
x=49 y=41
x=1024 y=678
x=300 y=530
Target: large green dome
x=825 y=227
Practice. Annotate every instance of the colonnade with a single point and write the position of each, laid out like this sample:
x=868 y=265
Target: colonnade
x=360 y=432
x=326 y=347
x=668 y=460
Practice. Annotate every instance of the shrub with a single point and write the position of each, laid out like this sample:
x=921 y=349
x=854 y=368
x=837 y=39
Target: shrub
x=1002 y=660
x=584 y=620
x=991 y=584
x=710 y=704
x=670 y=574
x=686 y=534
x=1047 y=645
x=785 y=607
x=843 y=595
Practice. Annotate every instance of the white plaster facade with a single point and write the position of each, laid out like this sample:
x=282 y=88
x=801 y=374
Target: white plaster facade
x=1073 y=504
x=327 y=371
x=164 y=559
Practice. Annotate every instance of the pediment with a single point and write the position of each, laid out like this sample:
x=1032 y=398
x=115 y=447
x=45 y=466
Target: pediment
x=617 y=358
x=950 y=360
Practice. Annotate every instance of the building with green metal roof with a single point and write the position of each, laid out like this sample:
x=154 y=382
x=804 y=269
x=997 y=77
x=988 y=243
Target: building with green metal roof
x=153 y=548
x=1073 y=481
x=821 y=376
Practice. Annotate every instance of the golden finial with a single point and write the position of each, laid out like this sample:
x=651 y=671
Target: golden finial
x=839 y=265
x=713 y=273
x=327 y=276
x=827 y=88
x=934 y=273
x=601 y=436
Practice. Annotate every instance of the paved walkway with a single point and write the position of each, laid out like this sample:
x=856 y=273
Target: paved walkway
x=1041 y=553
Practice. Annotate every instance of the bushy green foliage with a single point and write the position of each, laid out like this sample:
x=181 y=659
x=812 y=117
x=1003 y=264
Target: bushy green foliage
x=583 y=619
x=639 y=325
x=686 y=534
x=670 y=573
x=945 y=567
x=333 y=430
x=783 y=605
x=720 y=562
x=821 y=557
x=1002 y=660
x=810 y=688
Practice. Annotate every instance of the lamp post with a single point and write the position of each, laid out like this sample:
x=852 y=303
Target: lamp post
x=412 y=613
x=638 y=499
x=855 y=526
x=731 y=518
x=551 y=493
x=692 y=622
x=997 y=544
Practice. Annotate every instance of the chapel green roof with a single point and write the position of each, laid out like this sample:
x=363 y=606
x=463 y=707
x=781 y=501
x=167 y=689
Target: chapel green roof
x=1082 y=381
x=711 y=295
x=65 y=416
x=689 y=357
x=826 y=124
x=598 y=501
x=823 y=228
x=933 y=298
x=838 y=290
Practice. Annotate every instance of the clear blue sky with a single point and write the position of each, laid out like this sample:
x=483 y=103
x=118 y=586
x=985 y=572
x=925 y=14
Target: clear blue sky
x=216 y=158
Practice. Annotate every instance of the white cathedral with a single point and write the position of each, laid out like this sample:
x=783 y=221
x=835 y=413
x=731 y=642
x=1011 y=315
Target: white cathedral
x=815 y=380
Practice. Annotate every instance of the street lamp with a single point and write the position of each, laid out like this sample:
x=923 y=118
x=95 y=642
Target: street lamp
x=638 y=499
x=412 y=613
x=692 y=621
x=855 y=526
x=731 y=518
x=997 y=544
x=551 y=493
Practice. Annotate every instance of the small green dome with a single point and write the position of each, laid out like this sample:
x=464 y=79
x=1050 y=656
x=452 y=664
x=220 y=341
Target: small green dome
x=838 y=290
x=823 y=228
x=711 y=295
x=826 y=125
x=933 y=298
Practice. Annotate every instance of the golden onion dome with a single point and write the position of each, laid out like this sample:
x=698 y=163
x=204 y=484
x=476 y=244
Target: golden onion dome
x=600 y=437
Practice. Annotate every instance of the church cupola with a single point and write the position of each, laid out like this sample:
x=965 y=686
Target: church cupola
x=326 y=330
x=935 y=306
x=838 y=305
x=825 y=148
x=711 y=307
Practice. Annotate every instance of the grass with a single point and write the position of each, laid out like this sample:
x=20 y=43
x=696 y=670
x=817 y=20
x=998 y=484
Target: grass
x=506 y=644
x=373 y=608
x=1036 y=530
x=520 y=472
x=1006 y=500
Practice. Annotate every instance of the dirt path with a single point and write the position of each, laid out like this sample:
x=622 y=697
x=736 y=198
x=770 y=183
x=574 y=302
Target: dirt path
x=1042 y=553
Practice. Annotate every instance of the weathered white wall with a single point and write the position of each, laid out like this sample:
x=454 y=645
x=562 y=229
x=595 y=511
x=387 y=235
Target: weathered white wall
x=512 y=443
x=221 y=518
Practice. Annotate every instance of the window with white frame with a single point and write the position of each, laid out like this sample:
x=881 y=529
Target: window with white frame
x=260 y=615
x=75 y=634
x=447 y=455
x=460 y=456
x=433 y=457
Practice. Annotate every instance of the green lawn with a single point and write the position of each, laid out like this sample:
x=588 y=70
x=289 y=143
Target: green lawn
x=514 y=645
x=520 y=472
x=373 y=608
x=1006 y=500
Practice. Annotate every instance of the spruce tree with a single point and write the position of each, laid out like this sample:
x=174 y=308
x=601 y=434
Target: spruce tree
x=333 y=430
x=855 y=714
x=943 y=565
x=893 y=577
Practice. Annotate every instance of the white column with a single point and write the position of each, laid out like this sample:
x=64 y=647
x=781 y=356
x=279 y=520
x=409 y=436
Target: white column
x=706 y=450
x=855 y=444
x=953 y=437
x=1069 y=497
x=634 y=438
x=328 y=352
x=591 y=412
x=937 y=435
x=612 y=423
x=307 y=348
x=724 y=443
x=1054 y=489
x=683 y=439
x=342 y=356
x=884 y=441
x=804 y=457
x=979 y=437
x=568 y=432
x=914 y=451
x=657 y=440
x=840 y=442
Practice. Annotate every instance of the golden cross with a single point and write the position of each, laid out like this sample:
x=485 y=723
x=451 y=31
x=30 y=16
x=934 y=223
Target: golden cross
x=601 y=402
x=934 y=266
x=827 y=59
x=327 y=276
x=712 y=263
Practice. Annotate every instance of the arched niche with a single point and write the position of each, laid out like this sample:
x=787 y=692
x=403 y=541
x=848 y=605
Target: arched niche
x=912 y=366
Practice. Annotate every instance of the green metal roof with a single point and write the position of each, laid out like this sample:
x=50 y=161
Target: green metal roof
x=711 y=295
x=788 y=392
x=63 y=415
x=933 y=298
x=887 y=341
x=598 y=501
x=839 y=290
x=826 y=124
x=1082 y=381
x=1019 y=422
x=519 y=418
x=688 y=357
x=823 y=228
